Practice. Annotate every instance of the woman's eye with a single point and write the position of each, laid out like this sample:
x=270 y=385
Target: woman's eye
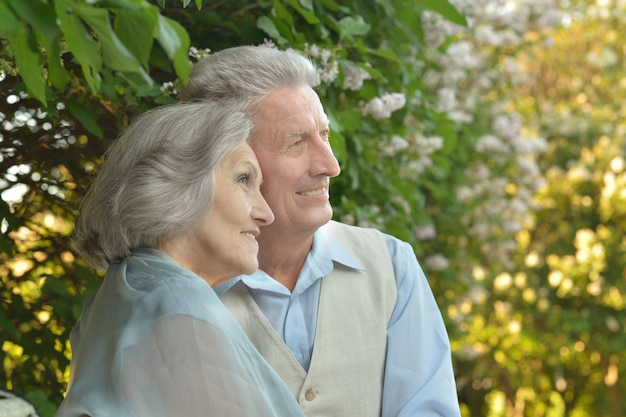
x=243 y=179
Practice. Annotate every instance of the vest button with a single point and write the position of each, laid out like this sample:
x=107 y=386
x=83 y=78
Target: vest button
x=309 y=395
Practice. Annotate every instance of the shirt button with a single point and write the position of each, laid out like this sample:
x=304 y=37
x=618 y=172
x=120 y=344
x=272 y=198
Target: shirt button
x=309 y=395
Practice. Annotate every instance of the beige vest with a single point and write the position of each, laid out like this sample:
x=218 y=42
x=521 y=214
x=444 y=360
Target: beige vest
x=347 y=366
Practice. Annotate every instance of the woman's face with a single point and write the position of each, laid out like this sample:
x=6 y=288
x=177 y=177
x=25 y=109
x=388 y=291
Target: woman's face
x=225 y=245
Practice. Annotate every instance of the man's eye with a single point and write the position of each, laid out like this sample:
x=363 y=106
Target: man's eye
x=325 y=134
x=243 y=179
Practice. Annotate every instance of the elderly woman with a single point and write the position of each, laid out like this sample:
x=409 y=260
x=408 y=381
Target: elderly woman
x=174 y=211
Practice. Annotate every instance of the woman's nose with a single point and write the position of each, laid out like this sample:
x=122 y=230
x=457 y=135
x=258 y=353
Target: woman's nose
x=261 y=211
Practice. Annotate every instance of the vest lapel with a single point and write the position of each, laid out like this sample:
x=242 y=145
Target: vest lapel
x=243 y=307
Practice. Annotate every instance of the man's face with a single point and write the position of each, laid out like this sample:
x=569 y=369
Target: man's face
x=291 y=143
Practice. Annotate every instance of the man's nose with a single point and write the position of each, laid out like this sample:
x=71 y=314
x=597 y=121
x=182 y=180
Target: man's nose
x=324 y=160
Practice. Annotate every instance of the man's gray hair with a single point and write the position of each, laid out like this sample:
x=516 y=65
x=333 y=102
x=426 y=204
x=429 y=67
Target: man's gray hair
x=247 y=74
x=157 y=180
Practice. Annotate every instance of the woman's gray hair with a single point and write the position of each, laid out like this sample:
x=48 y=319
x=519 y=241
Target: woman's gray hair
x=247 y=74
x=157 y=180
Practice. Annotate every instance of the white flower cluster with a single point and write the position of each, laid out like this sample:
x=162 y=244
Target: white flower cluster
x=168 y=88
x=415 y=167
x=487 y=35
x=462 y=55
x=425 y=232
x=395 y=145
x=268 y=43
x=198 y=54
x=353 y=77
x=327 y=67
x=508 y=125
x=437 y=29
x=606 y=57
x=465 y=79
x=428 y=144
x=490 y=143
x=414 y=153
x=529 y=146
x=382 y=107
x=437 y=262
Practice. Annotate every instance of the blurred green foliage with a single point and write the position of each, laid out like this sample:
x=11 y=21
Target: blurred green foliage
x=538 y=332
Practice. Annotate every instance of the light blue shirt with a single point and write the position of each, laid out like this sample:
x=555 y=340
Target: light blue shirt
x=419 y=378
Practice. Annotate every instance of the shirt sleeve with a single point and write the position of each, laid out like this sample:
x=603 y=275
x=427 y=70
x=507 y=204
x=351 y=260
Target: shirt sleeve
x=419 y=379
x=188 y=367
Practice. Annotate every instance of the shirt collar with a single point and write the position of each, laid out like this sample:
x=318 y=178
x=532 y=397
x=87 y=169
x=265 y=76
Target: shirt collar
x=327 y=246
x=326 y=251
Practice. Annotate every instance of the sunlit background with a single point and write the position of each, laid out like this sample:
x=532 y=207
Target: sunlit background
x=498 y=151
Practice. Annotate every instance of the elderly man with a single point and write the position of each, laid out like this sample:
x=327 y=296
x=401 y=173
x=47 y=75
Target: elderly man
x=344 y=314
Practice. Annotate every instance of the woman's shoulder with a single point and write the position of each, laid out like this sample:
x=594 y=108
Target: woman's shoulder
x=156 y=285
x=146 y=270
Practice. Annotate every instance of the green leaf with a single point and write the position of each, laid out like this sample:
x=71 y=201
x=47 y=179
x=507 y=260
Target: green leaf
x=41 y=17
x=308 y=15
x=445 y=9
x=120 y=4
x=265 y=24
x=39 y=399
x=56 y=72
x=149 y=90
x=135 y=29
x=80 y=43
x=28 y=63
x=445 y=128
x=53 y=285
x=307 y=4
x=386 y=53
x=114 y=52
x=349 y=26
x=338 y=144
x=8 y=21
x=7 y=214
x=386 y=4
x=6 y=246
x=282 y=13
x=84 y=116
x=175 y=41
x=7 y=325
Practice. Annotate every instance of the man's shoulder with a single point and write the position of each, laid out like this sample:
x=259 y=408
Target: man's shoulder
x=359 y=238
x=335 y=228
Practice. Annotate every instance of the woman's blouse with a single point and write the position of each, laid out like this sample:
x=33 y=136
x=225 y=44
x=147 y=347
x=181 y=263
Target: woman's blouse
x=155 y=341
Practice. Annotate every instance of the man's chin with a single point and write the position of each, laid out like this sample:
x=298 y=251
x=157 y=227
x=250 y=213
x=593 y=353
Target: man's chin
x=320 y=221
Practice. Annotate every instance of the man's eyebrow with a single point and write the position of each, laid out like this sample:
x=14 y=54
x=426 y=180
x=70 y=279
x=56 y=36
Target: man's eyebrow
x=303 y=132
x=298 y=133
